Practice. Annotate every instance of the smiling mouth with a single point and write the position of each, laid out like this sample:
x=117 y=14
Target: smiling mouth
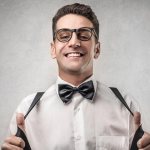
x=74 y=54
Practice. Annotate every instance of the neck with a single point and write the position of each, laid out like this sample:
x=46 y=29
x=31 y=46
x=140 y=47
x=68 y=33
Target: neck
x=76 y=79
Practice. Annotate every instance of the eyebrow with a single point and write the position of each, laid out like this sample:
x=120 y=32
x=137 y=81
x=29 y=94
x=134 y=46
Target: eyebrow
x=74 y=28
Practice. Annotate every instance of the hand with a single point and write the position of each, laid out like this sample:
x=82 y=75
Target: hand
x=12 y=142
x=144 y=142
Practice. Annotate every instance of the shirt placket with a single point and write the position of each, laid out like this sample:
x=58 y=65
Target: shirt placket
x=78 y=123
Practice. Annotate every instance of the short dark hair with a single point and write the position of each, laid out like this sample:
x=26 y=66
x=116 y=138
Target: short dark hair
x=78 y=9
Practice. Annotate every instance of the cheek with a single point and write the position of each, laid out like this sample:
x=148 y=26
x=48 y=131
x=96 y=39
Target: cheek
x=91 y=49
x=60 y=47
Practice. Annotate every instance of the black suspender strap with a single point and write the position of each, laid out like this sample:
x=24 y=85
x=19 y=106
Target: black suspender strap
x=34 y=102
x=20 y=133
x=119 y=96
x=139 y=132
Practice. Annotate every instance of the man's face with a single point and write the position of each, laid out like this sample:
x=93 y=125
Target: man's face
x=75 y=56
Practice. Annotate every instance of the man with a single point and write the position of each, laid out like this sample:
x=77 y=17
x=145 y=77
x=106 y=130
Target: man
x=66 y=118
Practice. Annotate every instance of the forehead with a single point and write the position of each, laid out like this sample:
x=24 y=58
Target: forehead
x=73 y=21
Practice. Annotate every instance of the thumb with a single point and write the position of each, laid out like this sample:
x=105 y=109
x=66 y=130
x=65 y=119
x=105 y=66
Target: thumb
x=137 y=120
x=20 y=121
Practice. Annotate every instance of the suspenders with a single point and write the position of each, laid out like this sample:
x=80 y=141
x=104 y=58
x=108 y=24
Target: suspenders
x=20 y=133
x=138 y=134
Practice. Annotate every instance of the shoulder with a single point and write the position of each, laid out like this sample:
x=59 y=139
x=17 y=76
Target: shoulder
x=26 y=102
x=106 y=92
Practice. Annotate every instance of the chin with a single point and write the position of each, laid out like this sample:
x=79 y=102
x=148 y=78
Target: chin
x=74 y=71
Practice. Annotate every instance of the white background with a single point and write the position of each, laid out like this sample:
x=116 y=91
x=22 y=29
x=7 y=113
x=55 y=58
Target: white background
x=27 y=67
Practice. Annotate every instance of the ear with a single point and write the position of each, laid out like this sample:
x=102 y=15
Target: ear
x=97 y=50
x=53 y=50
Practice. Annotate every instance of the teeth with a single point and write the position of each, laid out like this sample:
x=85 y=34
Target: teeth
x=75 y=54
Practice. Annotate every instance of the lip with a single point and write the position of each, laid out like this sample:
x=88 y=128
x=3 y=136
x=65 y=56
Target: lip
x=74 y=54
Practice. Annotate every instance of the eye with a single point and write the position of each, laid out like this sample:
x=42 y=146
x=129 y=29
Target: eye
x=63 y=35
x=84 y=35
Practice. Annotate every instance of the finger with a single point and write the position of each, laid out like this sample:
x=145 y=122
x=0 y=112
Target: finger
x=20 y=121
x=145 y=148
x=7 y=146
x=144 y=142
x=137 y=120
x=16 y=141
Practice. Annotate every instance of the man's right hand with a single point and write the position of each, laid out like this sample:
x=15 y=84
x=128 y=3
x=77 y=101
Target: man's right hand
x=13 y=142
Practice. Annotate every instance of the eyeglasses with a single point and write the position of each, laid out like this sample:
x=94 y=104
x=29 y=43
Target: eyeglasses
x=83 y=34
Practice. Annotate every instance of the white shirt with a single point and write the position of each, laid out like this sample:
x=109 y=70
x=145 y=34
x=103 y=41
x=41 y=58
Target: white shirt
x=104 y=124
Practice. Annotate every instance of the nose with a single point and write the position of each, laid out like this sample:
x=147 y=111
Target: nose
x=74 y=41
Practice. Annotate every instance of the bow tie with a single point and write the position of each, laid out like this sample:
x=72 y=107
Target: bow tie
x=66 y=91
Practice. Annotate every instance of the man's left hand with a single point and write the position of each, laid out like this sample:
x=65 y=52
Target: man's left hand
x=144 y=142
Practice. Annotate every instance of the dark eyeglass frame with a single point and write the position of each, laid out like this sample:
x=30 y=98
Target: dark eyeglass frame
x=91 y=30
